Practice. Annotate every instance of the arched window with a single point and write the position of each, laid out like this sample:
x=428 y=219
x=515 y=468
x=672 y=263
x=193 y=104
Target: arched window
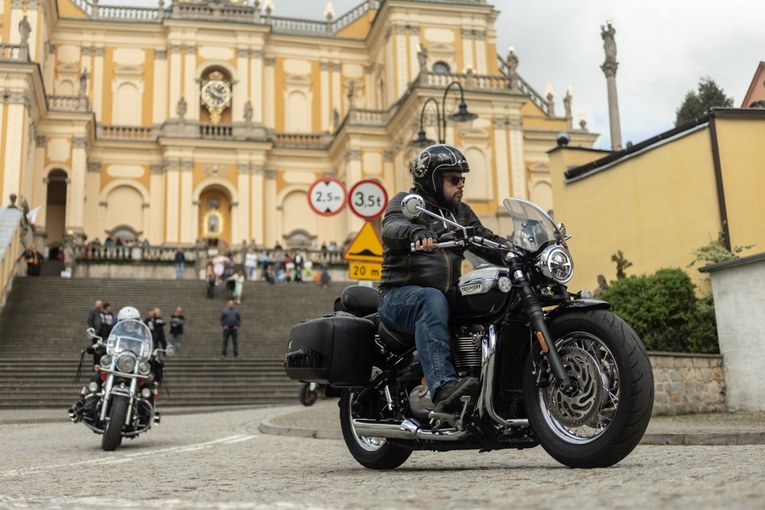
x=441 y=67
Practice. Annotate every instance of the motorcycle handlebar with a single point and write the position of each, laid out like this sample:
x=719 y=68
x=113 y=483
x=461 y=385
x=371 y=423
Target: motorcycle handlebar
x=473 y=240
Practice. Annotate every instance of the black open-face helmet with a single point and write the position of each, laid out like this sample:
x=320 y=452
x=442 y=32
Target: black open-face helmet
x=429 y=164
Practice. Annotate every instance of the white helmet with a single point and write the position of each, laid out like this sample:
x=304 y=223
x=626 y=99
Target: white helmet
x=129 y=313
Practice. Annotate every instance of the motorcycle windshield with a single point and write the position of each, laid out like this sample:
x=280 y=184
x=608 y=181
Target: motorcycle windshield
x=533 y=229
x=132 y=336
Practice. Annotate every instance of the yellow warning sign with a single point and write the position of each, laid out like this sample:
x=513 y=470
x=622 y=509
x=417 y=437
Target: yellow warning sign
x=364 y=271
x=366 y=247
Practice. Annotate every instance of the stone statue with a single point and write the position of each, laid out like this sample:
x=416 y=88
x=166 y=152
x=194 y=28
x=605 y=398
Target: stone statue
x=609 y=43
x=567 y=103
x=422 y=56
x=84 y=83
x=351 y=88
x=512 y=66
x=181 y=108
x=13 y=201
x=24 y=29
x=602 y=285
x=248 y=112
x=335 y=118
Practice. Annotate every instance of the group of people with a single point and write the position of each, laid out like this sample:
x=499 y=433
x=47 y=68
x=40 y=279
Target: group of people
x=222 y=270
x=285 y=268
x=102 y=320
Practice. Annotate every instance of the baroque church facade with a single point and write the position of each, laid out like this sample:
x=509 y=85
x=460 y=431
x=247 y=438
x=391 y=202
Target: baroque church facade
x=211 y=119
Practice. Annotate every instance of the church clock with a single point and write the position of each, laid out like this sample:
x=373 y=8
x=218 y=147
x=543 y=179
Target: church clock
x=215 y=95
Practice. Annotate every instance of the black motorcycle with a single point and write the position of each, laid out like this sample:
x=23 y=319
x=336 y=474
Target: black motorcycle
x=555 y=368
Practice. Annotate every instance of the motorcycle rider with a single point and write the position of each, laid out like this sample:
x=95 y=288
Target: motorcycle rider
x=418 y=288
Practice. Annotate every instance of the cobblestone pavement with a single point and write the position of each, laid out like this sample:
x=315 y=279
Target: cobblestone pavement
x=223 y=460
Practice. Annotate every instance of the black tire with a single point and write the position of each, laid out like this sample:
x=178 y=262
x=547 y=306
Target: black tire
x=606 y=419
x=306 y=396
x=370 y=452
x=113 y=433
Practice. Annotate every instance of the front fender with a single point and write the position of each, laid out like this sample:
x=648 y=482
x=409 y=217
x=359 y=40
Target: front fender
x=578 y=304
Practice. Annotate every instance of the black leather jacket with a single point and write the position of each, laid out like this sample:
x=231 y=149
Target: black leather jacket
x=439 y=269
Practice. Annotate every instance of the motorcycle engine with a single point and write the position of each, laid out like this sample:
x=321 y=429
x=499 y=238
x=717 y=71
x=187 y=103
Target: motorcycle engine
x=466 y=350
x=420 y=402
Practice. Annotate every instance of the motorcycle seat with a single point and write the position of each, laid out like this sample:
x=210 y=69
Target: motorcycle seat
x=395 y=341
x=359 y=300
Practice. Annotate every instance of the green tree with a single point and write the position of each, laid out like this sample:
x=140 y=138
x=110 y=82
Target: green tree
x=698 y=103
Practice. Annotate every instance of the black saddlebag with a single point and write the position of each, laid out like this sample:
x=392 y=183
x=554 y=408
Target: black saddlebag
x=335 y=349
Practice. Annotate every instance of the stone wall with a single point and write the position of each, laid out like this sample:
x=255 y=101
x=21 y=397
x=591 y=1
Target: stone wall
x=688 y=383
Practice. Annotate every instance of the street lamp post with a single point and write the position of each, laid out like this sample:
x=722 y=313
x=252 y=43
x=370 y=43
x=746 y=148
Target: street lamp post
x=461 y=115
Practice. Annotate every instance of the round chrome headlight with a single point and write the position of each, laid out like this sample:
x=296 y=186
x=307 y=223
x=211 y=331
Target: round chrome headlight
x=146 y=393
x=556 y=263
x=504 y=284
x=93 y=386
x=144 y=368
x=125 y=363
x=106 y=361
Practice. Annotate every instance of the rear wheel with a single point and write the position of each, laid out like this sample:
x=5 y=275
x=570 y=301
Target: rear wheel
x=603 y=421
x=307 y=396
x=370 y=452
x=113 y=433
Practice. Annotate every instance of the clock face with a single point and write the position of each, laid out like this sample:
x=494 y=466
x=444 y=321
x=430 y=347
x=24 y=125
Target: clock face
x=216 y=94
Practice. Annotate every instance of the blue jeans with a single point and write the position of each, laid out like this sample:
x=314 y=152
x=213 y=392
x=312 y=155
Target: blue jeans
x=177 y=340
x=233 y=333
x=423 y=311
x=179 y=271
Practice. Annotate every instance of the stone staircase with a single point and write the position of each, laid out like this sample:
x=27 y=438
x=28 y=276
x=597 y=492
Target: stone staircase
x=42 y=332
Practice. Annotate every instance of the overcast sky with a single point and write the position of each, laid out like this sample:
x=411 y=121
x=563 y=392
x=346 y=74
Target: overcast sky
x=664 y=47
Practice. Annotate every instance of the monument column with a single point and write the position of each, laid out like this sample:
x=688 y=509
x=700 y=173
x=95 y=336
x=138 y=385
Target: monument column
x=609 y=69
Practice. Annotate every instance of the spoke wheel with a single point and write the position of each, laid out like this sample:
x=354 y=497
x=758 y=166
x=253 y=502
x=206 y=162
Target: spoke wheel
x=603 y=420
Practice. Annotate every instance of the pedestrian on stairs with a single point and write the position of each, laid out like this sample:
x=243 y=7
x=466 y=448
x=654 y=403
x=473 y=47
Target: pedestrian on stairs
x=34 y=260
x=157 y=327
x=230 y=320
x=107 y=321
x=177 y=321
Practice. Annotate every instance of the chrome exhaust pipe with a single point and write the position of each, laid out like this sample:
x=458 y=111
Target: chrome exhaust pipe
x=406 y=429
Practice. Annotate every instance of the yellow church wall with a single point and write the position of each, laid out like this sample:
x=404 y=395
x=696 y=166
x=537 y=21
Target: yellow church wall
x=742 y=153
x=67 y=9
x=360 y=27
x=5 y=30
x=656 y=207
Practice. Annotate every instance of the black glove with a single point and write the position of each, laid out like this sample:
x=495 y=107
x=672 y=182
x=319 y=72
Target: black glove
x=421 y=235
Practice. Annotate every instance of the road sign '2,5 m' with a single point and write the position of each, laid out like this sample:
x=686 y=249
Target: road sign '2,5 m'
x=327 y=196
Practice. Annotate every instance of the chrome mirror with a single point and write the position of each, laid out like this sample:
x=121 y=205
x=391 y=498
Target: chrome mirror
x=411 y=205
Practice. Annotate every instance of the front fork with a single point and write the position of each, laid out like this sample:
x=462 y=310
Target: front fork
x=533 y=309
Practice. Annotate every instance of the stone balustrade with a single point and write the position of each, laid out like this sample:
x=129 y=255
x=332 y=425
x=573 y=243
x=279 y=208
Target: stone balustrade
x=14 y=52
x=68 y=103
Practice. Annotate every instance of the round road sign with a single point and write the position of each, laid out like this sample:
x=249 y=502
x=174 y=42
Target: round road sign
x=368 y=199
x=327 y=196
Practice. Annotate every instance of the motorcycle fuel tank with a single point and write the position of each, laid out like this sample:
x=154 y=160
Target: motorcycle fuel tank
x=480 y=292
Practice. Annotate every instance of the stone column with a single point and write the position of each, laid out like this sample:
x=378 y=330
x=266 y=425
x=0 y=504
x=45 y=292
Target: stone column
x=609 y=69
x=402 y=75
x=97 y=81
x=153 y=218
x=172 y=214
x=161 y=87
x=188 y=226
x=175 y=87
x=256 y=86
x=269 y=198
x=190 y=85
x=75 y=204
x=257 y=200
x=269 y=88
x=502 y=157
x=414 y=49
x=517 y=161
x=324 y=91
x=467 y=51
x=241 y=89
x=244 y=176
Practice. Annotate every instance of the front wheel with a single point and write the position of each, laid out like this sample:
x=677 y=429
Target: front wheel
x=113 y=433
x=370 y=452
x=604 y=420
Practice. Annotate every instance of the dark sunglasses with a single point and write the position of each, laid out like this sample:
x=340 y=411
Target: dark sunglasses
x=454 y=179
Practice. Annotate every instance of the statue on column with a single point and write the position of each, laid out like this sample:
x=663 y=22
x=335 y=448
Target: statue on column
x=422 y=57
x=351 y=88
x=84 y=83
x=512 y=66
x=248 y=112
x=181 y=109
x=24 y=29
x=567 y=104
x=609 y=43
